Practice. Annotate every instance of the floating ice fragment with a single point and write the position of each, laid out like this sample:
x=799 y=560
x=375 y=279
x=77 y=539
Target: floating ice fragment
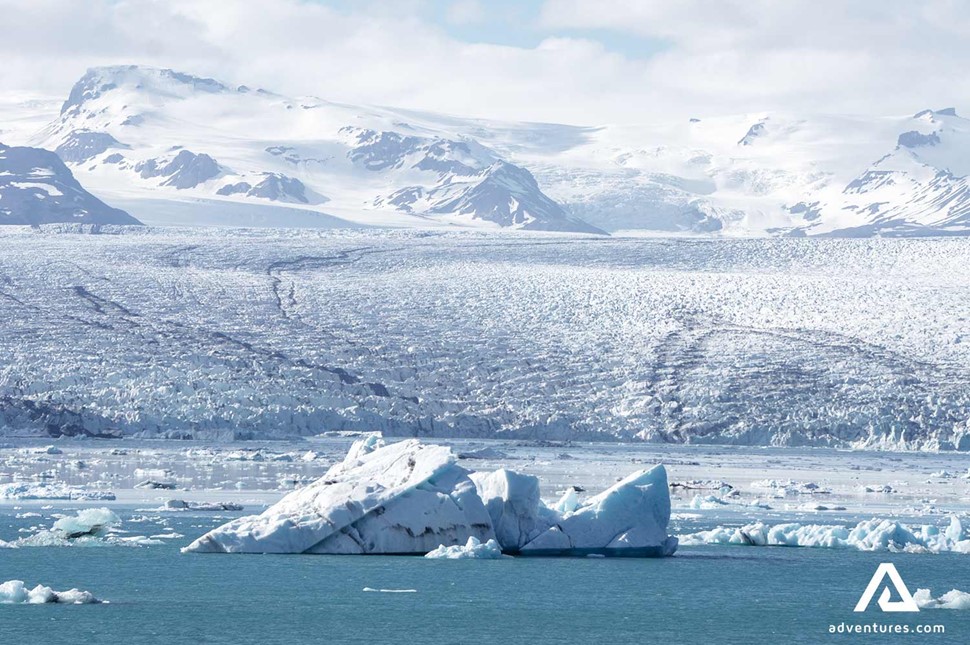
x=15 y=592
x=870 y=535
x=953 y=599
x=473 y=549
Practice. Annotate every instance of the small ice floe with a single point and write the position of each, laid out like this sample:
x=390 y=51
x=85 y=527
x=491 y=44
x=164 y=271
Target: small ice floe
x=943 y=474
x=182 y=505
x=820 y=507
x=473 y=549
x=16 y=592
x=89 y=527
x=7 y=545
x=789 y=487
x=484 y=453
x=153 y=484
x=371 y=589
x=953 y=599
x=870 y=535
x=49 y=490
x=45 y=450
x=706 y=502
x=702 y=484
x=885 y=488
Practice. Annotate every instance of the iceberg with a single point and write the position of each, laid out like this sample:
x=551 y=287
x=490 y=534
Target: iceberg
x=514 y=506
x=402 y=498
x=410 y=498
x=16 y=592
x=473 y=549
x=629 y=519
x=870 y=535
x=953 y=599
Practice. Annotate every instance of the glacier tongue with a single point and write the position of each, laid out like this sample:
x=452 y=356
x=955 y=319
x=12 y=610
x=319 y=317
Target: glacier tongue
x=411 y=498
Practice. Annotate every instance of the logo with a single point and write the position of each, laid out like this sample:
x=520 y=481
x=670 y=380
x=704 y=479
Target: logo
x=906 y=602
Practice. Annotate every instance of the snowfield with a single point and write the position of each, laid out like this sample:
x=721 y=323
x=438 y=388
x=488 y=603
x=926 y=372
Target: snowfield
x=239 y=333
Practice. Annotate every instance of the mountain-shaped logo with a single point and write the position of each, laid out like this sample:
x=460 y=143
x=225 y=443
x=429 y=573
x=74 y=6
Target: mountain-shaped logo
x=906 y=602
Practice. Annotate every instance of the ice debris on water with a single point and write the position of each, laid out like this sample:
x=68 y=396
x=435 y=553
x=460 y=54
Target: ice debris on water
x=53 y=491
x=89 y=527
x=869 y=535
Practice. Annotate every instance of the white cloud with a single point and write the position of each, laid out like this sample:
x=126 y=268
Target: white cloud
x=724 y=56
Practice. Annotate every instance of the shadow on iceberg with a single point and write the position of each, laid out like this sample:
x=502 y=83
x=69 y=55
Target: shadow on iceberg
x=410 y=498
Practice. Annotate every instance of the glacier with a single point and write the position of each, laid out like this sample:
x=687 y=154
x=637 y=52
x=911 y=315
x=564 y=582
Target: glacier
x=412 y=498
x=251 y=334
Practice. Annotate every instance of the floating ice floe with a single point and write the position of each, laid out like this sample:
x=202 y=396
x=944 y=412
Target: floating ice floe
x=473 y=549
x=789 y=487
x=870 y=535
x=953 y=599
x=90 y=527
x=43 y=490
x=16 y=592
x=411 y=498
x=706 y=502
x=183 y=505
x=702 y=484
x=152 y=484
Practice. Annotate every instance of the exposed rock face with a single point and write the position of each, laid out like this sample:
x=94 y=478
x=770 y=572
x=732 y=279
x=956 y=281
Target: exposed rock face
x=37 y=188
x=80 y=146
x=186 y=170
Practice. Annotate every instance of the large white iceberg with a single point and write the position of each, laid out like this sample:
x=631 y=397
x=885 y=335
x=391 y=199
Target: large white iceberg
x=404 y=498
x=412 y=498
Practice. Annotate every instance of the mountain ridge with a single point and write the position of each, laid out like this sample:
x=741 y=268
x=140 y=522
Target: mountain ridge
x=147 y=133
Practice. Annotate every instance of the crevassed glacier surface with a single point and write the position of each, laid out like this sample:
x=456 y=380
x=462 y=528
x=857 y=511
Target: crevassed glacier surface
x=239 y=333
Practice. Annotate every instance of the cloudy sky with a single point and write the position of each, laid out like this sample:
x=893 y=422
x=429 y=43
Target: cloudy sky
x=573 y=61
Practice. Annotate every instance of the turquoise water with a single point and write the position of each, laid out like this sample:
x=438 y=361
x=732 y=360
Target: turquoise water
x=703 y=595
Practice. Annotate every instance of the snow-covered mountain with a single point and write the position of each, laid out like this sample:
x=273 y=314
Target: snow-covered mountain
x=162 y=144
x=153 y=133
x=37 y=188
